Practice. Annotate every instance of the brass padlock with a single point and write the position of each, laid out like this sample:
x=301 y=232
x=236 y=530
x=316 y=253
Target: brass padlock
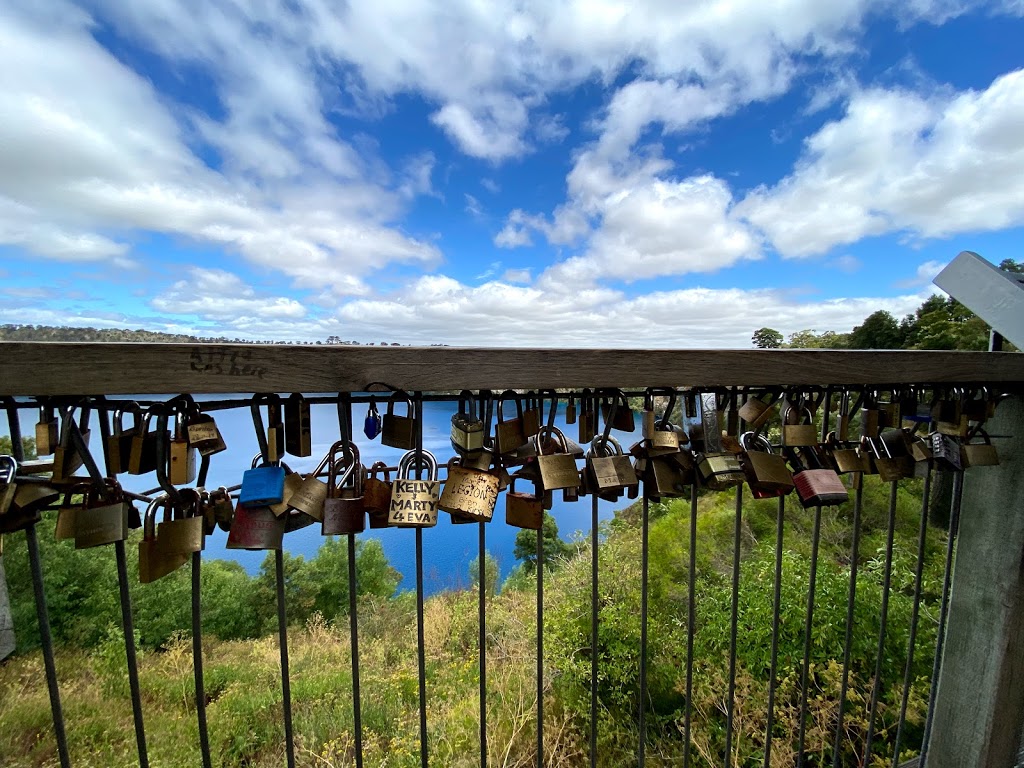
x=889 y=468
x=844 y=459
x=720 y=471
x=183 y=534
x=399 y=431
x=608 y=469
x=154 y=563
x=756 y=410
x=767 y=473
x=142 y=457
x=414 y=501
x=203 y=433
x=531 y=415
x=799 y=434
x=523 y=510
x=570 y=410
x=979 y=454
x=616 y=407
x=557 y=470
x=467 y=433
x=66 y=457
x=310 y=495
x=223 y=508
x=298 y=437
x=587 y=421
x=470 y=494
x=377 y=495
x=119 y=442
x=182 y=465
x=668 y=476
x=508 y=433
x=344 y=507
x=103 y=517
x=275 y=425
x=46 y=431
x=292 y=483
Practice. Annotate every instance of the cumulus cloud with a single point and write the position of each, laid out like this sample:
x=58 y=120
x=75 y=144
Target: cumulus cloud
x=221 y=295
x=900 y=161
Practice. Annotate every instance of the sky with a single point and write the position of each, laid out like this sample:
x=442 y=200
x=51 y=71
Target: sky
x=671 y=174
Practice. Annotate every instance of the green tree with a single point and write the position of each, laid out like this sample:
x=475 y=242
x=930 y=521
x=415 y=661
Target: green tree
x=28 y=444
x=808 y=339
x=880 y=330
x=767 y=338
x=554 y=548
x=491 y=573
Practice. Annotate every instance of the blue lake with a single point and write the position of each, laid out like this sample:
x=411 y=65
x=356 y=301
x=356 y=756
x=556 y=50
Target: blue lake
x=447 y=549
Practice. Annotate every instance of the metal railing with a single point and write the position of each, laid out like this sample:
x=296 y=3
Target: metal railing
x=87 y=371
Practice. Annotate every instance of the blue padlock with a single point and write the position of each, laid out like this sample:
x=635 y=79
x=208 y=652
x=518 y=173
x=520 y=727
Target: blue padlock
x=262 y=485
x=372 y=424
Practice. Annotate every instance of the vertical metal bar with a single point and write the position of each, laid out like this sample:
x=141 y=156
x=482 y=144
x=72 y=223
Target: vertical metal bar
x=883 y=620
x=808 y=626
x=282 y=635
x=421 y=652
x=345 y=429
x=851 y=600
x=540 y=647
x=482 y=621
x=353 y=629
x=691 y=623
x=594 y=640
x=922 y=538
x=954 y=524
x=644 y=559
x=197 y=658
x=129 y=648
x=734 y=621
x=776 y=610
x=420 y=648
x=46 y=638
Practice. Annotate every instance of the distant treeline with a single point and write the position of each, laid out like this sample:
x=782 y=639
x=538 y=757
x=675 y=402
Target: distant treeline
x=13 y=332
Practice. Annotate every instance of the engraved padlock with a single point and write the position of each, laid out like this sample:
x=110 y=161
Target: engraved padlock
x=311 y=494
x=414 y=501
x=469 y=494
x=557 y=470
x=344 y=507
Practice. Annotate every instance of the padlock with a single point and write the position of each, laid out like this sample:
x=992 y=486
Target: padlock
x=947 y=408
x=889 y=468
x=815 y=485
x=154 y=563
x=182 y=464
x=183 y=534
x=979 y=454
x=958 y=428
x=870 y=421
x=311 y=493
x=557 y=470
x=844 y=459
x=523 y=510
x=531 y=415
x=661 y=436
x=223 y=508
x=292 y=483
x=142 y=456
x=499 y=470
x=262 y=485
x=372 y=422
x=668 y=476
x=767 y=473
x=803 y=433
x=119 y=442
x=467 y=434
x=68 y=510
x=414 y=501
x=203 y=433
x=945 y=452
x=399 y=431
x=103 y=517
x=608 y=469
x=298 y=437
x=469 y=494
x=570 y=410
x=720 y=471
x=616 y=407
x=256 y=528
x=46 y=431
x=275 y=425
x=344 y=507
x=706 y=434
x=66 y=457
x=509 y=434
x=377 y=495
x=8 y=488
x=587 y=420
x=920 y=449
x=29 y=500
x=756 y=410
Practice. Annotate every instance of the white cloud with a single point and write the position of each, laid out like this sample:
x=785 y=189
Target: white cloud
x=223 y=296
x=846 y=263
x=473 y=207
x=492 y=133
x=924 y=275
x=89 y=155
x=900 y=161
x=517 y=276
x=490 y=185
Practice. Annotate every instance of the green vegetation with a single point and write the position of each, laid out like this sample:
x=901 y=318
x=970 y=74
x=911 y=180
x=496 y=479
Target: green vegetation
x=243 y=683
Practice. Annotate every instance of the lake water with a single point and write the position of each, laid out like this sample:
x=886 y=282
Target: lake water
x=447 y=549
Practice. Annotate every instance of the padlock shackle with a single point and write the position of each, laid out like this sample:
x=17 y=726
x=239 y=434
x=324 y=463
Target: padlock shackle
x=413 y=462
x=396 y=396
x=258 y=423
x=672 y=395
x=512 y=395
x=754 y=438
x=162 y=452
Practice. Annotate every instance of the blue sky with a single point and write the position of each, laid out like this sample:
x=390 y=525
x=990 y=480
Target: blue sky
x=589 y=173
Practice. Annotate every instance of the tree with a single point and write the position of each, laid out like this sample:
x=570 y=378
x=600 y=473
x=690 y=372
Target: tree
x=767 y=338
x=808 y=339
x=554 y=548
x=878 y=331
x=491 y=573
